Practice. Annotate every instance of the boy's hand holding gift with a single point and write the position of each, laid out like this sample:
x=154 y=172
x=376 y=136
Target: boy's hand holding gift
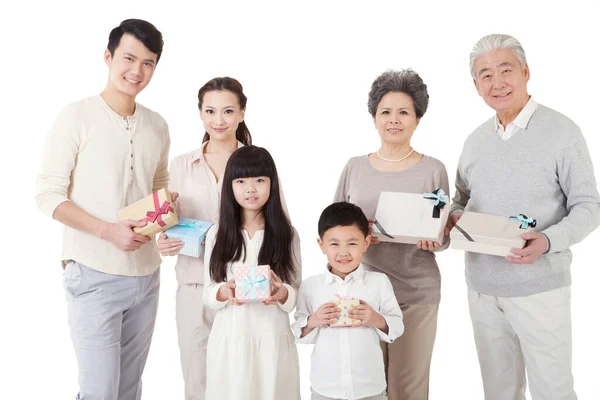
x=279 y=293
x=325 y=315
x=368 y=317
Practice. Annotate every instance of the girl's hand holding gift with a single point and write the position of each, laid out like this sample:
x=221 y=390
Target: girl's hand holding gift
x=279 y=293
x=368 y=317
x=227 y=292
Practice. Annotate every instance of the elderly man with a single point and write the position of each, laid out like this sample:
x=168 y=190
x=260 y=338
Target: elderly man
x=533 y=160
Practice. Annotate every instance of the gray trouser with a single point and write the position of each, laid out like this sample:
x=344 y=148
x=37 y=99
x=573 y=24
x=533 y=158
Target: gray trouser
x=112 y=320
x=519 y=337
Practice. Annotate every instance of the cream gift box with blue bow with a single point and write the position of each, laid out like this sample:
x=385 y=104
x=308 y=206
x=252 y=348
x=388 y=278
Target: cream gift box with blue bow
x=490 y=234
x=192 y=233
x=252 y=283
x=411 y=217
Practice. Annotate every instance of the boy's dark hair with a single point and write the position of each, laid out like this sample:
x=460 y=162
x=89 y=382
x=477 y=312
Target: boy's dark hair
x=142 y=30
x=343 y=214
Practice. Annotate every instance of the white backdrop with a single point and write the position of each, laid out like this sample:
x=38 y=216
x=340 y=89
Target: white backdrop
x=306 y=69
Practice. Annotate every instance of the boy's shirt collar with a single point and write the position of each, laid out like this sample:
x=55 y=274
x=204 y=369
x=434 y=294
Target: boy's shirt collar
x=357 y=275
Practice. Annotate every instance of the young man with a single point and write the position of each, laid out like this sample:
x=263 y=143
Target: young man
x=347 y=362
x=102 y=154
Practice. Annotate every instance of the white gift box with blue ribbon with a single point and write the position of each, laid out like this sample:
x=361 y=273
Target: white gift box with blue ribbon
x=490 y=234
x=192 y=233
x=411 y=217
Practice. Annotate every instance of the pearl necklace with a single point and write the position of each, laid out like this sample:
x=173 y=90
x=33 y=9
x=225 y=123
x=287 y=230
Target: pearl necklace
x=395 y=161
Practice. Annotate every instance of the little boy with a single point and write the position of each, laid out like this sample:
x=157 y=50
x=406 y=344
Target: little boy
x=346 y=362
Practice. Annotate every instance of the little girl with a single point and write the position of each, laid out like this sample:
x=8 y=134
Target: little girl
x=251 y=350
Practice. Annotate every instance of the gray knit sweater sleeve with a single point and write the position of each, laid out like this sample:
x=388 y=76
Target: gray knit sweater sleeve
x=462 y=193
x=576 y=179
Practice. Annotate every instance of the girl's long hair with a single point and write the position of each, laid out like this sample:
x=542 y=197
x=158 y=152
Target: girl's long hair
x=276 y=249
x=242 y=133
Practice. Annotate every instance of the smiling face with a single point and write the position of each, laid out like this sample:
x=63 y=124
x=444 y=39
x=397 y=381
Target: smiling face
x=221 y=114
x=344 y=247
x=252 y=193
x=396 y=119
x=131 y=67
x=501 y=81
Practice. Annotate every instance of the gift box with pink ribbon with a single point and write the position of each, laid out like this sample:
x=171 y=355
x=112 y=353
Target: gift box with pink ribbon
x=252 y=283
x=156 y=209
x=345 y=303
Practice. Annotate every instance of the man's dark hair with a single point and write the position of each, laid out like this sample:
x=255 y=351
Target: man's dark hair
x=142 y=30
x=343 y=214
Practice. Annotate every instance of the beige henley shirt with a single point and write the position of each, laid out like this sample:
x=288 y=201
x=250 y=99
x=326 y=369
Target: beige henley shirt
x=103 y=162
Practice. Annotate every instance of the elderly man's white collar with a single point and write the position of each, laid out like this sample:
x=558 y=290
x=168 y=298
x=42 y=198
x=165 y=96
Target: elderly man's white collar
x=524 y=116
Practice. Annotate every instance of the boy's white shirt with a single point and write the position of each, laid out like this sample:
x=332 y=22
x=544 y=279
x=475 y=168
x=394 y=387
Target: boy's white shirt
x=347 y=362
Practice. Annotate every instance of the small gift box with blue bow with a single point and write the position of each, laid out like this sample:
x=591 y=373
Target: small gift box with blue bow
x=411 y=217
x=490 y=234
x=156 y=209
x=345 y=303
x=252 y=283
x=192 y=233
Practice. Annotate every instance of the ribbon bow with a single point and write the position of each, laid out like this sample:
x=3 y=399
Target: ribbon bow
x=189 y=224
x=383 y=232
x=525 y=222
x=258 y=283
x=340 y=297
x=156 y=215
x=441 y=199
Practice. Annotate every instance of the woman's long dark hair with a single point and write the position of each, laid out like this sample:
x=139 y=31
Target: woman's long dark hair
x=226 y=83
x=276 y=249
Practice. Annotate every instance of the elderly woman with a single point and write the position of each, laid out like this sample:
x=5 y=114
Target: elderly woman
x=397 y=102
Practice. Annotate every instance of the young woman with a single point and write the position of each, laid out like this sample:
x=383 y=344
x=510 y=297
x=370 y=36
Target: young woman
x=197 y=178
x=251 y=349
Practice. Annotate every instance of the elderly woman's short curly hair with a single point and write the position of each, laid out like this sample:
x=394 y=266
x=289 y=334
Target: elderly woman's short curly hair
x=406 y=81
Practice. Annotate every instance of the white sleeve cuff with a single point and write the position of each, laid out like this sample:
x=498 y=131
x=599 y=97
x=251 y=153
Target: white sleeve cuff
x=290 y=303
x=311 y=338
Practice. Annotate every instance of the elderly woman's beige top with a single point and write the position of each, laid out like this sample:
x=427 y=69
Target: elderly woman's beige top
x=413 y=272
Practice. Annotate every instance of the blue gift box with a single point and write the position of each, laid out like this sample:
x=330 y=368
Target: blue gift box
x=192 y=233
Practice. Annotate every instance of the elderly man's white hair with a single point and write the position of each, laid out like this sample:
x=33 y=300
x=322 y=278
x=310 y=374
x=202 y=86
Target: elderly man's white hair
x=494 y=42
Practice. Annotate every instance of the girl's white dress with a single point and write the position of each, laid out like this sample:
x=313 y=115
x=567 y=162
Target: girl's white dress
x=251 y=352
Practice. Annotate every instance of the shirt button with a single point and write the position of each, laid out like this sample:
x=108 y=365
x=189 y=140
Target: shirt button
x=127 y=128
x=132 y=167
x=130 y=141
x=131 y=155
